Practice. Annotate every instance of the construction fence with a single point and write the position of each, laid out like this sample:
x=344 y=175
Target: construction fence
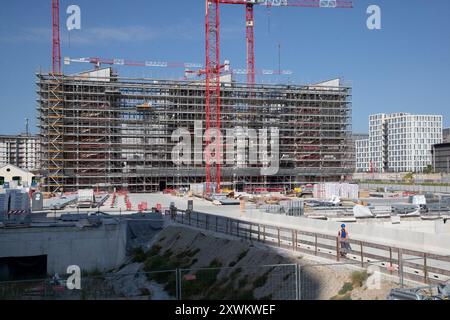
x=335 y=281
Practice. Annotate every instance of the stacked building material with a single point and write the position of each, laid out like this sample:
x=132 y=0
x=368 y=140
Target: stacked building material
x=289 y=208
x=200 y=188
x=342 y=190
x=19 y=200
x=293 y=208
x=4 y=196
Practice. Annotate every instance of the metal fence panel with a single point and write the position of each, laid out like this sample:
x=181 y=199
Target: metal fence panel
x=277 y=282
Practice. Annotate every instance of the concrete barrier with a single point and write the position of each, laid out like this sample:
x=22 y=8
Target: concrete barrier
x=401 y=187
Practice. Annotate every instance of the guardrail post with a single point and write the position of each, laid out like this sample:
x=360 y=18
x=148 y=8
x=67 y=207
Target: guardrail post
x=315 y=244
x=197 y=219
x=400 y=266
x=237 y=228
x=264 y=233
x=338 y=253
x=206 y=221
x=362 y=254
x=390 y=259
x=296 y=239
x=293 y=240
x=259 y=232
x=298 y=270
x=425 y=271
x=279 y=240
x=178 y=284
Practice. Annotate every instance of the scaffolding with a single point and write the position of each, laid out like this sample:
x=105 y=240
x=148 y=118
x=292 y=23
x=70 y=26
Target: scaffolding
x=98 y=129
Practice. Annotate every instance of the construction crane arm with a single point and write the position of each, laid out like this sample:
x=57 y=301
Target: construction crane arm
x=294 y=3
x=123 y=62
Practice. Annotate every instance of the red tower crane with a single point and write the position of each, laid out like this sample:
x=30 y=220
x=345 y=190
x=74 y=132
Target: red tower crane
x=56 y=45
x=250 y=21
x=212 y=95
x=213 y=63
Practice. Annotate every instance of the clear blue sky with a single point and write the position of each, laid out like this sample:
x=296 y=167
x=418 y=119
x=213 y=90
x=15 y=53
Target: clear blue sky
x=403 y=67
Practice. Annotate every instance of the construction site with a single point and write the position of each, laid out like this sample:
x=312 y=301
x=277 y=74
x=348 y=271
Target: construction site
x=209 y=186
x=98 y=129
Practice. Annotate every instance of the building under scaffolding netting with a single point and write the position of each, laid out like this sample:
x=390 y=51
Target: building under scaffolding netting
x=98 y=129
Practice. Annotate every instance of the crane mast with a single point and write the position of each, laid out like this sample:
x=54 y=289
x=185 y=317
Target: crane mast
x=56 y=46
x=212 y=92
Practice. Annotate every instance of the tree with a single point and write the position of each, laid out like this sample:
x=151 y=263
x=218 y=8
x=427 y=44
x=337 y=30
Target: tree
x=428 y=169
x=408 y=177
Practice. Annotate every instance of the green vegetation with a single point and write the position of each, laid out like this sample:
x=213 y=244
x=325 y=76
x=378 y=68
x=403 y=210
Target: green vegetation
x=428 y=169
x=232 y=264
x=145 y=292
x=215 y=263
x=188 y=253
x=359 y=277
x=242 y=283
x=268 y=297
x=235 y=273
x=155 y=260
x=156 y=249
x=94 y=273
x=348 y=286
x=138 y=255
x=204 y=280
x=261 y=280
x=245 y=295
x=408 y=177
x=346 y=296
x=357 y=280
x=242 y=255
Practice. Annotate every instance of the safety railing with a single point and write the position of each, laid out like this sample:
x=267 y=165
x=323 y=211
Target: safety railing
x=414 y=265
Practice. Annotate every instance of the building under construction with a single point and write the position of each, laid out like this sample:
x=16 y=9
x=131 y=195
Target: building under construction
x=98 y=129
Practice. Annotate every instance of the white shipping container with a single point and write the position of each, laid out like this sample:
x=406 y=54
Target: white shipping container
x=341 y=190
x=85 y=195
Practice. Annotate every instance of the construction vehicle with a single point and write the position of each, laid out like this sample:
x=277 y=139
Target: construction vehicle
x=304 y=191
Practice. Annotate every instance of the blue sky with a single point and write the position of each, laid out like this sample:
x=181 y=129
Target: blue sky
x=403 y=67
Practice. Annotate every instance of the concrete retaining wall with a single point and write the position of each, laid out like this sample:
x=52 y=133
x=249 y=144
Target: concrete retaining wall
x=102 y=248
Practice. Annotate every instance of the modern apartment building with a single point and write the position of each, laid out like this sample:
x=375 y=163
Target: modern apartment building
x=362 y=155
x=398 y=142
x=20 y=150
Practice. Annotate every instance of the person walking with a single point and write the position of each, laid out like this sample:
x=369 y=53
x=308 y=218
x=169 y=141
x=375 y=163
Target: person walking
x=343 y=239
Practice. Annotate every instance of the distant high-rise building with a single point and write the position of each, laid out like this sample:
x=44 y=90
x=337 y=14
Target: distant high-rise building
x=361 y=139
x=20 y=150
x=446 y=135
x=362 y=155
x=398 y=142
x=360 y=136
x=441 y=157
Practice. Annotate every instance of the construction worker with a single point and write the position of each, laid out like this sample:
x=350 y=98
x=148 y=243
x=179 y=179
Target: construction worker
x=343 y=239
